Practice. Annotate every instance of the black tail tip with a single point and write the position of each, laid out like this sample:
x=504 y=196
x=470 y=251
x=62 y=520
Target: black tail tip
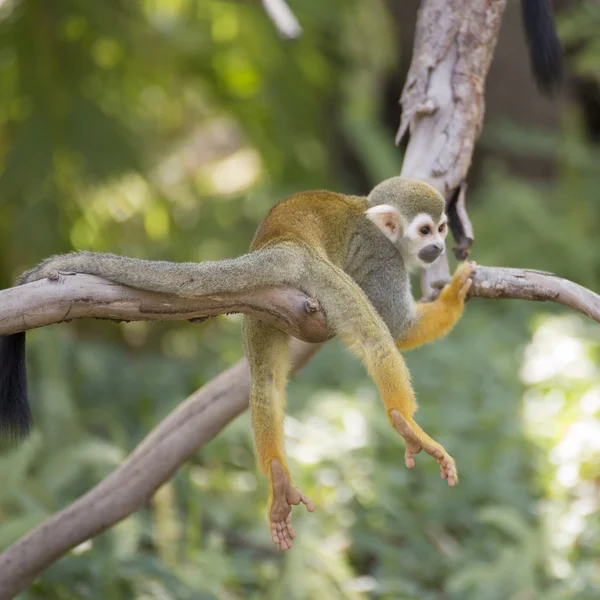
x=548 y=70
x=545 y=49
x=15 y=413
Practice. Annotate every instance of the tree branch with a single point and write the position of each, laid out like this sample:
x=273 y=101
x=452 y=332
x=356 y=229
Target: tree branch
x=527 y=284
x=76 y=296
x=443 y=100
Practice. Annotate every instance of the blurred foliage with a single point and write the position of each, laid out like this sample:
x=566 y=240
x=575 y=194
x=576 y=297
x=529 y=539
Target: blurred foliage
x=166 y=129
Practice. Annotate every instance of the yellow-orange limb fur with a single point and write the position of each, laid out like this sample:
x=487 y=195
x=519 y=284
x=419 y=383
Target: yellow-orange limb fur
x=267 y=352
x=435 y=319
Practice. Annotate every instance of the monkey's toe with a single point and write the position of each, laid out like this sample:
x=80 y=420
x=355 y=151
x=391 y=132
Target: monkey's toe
x=282 y=534
x=414 y=445
x=448 y=471
x=285 y=496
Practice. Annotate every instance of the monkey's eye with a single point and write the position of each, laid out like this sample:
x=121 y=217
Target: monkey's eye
x=426 y=230
x=442 y=227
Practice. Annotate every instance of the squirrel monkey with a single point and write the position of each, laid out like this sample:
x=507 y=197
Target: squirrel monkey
x=354 y=255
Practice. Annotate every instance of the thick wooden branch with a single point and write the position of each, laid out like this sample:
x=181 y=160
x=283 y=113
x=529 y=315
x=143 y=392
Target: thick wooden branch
x=443 y=98
x=71 y=296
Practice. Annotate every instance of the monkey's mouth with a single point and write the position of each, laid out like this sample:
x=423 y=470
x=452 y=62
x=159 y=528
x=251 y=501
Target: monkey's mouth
x=430 y=253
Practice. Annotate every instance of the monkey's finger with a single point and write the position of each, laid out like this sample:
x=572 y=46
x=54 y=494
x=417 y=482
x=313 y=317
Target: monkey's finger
x=274 y=534
x=463 y=272
x=284 y=541
x=283 y=546
x=290 y=528
x=287 y=536
x=277 y=534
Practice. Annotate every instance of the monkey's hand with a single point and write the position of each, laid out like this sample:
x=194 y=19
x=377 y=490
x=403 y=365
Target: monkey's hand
x=282 y=496
x=435 y=319
x=453 y=295
x=416 y=440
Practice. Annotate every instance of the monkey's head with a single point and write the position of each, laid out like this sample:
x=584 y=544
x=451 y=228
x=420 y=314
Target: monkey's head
x=411 y=215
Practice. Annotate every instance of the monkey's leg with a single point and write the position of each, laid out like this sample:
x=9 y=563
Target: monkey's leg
x=435 y=319
x=354 y=319
x=267 y=351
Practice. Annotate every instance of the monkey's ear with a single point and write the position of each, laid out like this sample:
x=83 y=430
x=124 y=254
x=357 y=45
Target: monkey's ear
x=387 y=218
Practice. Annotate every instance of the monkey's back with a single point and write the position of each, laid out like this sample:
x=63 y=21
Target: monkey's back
x=323 y=220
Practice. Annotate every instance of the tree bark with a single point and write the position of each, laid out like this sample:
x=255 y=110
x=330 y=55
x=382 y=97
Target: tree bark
x=443 y=100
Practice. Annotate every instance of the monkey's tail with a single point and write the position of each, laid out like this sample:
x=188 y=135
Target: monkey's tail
x=545 y=50
x=15 y=414
x=268 y=266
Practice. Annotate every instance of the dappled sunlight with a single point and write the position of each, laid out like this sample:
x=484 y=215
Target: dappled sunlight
x=336 y=430
x=556 y=350
x=560 y=413
x=104 y=205
x=234 y=173
x=82 y=548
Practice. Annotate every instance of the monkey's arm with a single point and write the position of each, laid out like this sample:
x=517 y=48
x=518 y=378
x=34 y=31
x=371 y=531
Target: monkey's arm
x=435 y=319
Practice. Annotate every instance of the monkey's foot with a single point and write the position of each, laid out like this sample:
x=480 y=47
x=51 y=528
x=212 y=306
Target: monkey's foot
x=284 y=496
x=416 y=440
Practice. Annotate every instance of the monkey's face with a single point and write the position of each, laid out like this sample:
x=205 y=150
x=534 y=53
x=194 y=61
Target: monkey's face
x=421 y=241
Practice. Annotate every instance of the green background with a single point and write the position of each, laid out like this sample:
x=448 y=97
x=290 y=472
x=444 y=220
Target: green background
x=166 y=129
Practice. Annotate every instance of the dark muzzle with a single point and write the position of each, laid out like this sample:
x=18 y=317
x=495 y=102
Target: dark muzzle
x=431 y=252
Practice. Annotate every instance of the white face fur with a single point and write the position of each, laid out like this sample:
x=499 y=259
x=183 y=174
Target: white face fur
x=420 y=241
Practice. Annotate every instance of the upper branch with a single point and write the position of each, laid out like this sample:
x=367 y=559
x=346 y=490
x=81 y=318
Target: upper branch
x=443 y=98
x=76 y=296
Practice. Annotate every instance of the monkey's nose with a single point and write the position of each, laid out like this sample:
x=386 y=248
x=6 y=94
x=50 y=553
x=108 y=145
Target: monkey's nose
x=431 y=252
